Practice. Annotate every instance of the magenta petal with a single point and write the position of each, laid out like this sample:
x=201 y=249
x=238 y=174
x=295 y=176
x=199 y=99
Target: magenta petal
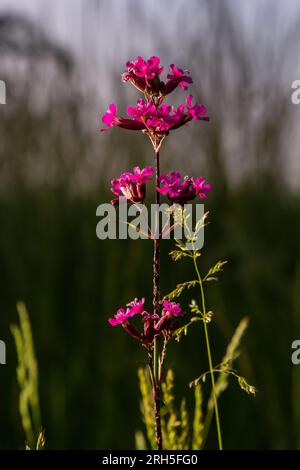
x=112 y=108
x=131 y=111
x=163 y=191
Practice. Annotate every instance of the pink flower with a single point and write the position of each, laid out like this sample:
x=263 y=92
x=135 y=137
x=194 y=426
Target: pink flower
x=145 y=68
x=111 y=119
x=170 y=309
x=182 y=192
x=165 y=118
x=168 y=182
x=186 y=113
x=121 y=316
x=202 y=187
x=197 y=110
x=132 y=185
x=137 y=306
x=144 y=73
x=153 y=324
x=161 y=120
x=177 y=77
x=141 y=111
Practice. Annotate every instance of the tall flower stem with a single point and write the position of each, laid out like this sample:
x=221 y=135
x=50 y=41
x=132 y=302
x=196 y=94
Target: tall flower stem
x=158 y=433
x=156 y=254
x=214 y=394
x=156 y=295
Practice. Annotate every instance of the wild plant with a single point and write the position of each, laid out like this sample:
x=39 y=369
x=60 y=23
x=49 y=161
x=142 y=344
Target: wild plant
x=156 y=120
x=27 y=375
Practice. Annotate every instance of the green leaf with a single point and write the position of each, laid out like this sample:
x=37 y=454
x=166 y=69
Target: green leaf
x=215 y=269
x=194 y=308
x=178 y=254
x=180 y=288
x=146 y=405
x=182 y=331
x=201 y=223
x=181 y=245
x=198 y=424
x=27 y=375
x=245 y=386
x=231 y=354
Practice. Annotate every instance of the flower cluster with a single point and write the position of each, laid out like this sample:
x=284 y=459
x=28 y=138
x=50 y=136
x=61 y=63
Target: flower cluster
x=145 y=76
x=155 y=119
x=185 y=191
x=153 y=324
x=132 y=185
x=158 y=119
x=151 y=115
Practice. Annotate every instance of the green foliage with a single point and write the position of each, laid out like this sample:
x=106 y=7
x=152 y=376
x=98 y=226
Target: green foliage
x=54 y=174
x=210 y=276
x=199 y=316
x=194 y=308
x=231 y=354
x=27 y=375
x=140 y=441
x=198 y=424
x=146 y=406
x=206 y=316
x=171 y=424
x=176 y=423
x=180 y=288
x=250 y=389
x=176 y=255
x=41 y=440
x=225 y=368
x=181 y=250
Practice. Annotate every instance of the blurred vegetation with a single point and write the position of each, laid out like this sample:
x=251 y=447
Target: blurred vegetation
x=182 y=431
x=27 y=375
x=175 y=424
x=55 y=169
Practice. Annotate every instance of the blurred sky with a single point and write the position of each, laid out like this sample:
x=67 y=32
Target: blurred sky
x=101 y=32
x=72 y=22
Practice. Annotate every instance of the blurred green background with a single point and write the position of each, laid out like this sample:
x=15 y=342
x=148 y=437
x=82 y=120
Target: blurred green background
x=62 y=66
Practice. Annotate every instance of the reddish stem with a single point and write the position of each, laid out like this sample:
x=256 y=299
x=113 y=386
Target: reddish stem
x=156 y=296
